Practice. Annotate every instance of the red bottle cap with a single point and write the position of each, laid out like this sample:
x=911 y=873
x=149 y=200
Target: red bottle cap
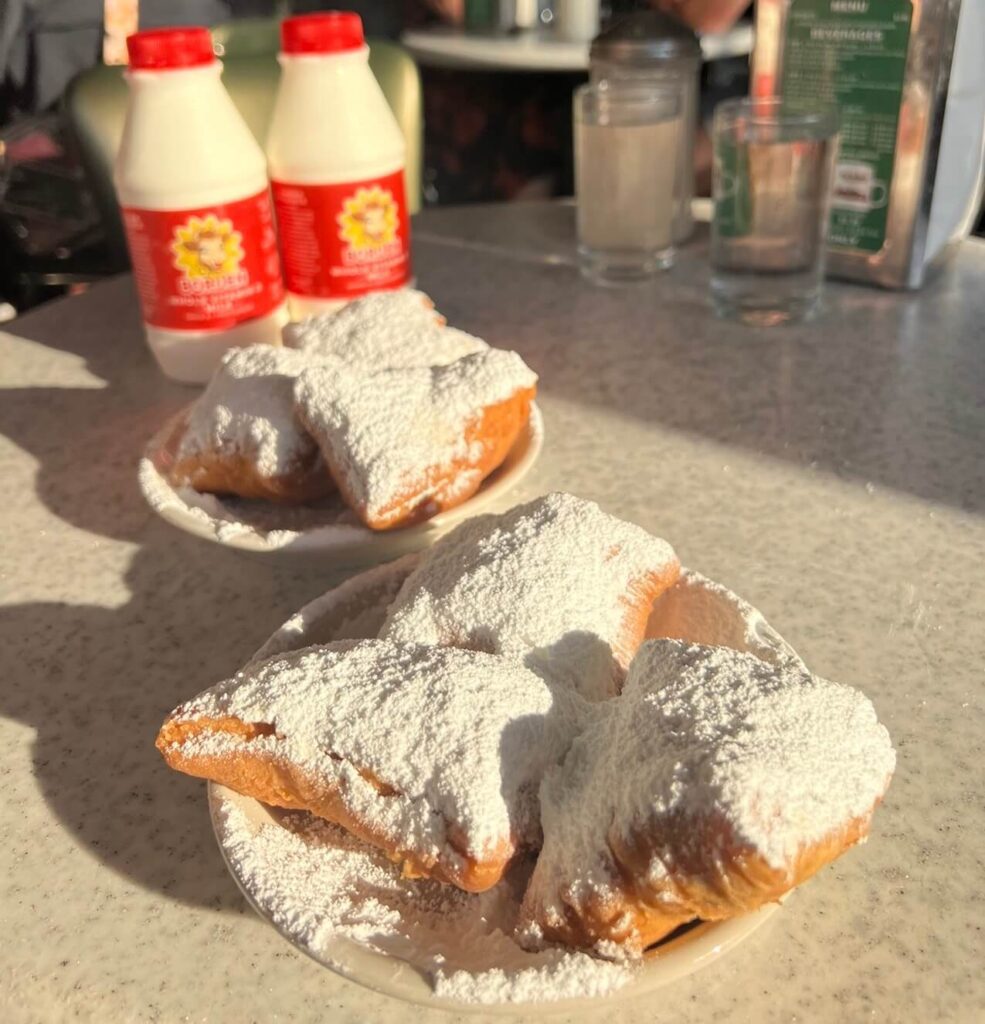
x=158 y=49
x=327 y=32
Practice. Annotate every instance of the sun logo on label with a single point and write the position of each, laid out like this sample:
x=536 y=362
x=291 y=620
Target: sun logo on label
x=206 y=247
x=369 y=219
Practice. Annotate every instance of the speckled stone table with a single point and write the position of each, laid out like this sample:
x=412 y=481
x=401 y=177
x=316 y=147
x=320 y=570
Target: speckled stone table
x=833 y=474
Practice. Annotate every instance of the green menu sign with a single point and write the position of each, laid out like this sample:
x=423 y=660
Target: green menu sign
x=852 y=53
x=733 y=195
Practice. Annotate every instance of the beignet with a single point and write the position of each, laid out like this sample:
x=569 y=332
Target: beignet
x=556 y=582
x=405 y=444
x=714 y=784
x=243 y=436
x=434 y=755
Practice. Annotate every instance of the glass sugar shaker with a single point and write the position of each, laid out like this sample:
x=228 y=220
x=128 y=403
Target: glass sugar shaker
x=649 y=47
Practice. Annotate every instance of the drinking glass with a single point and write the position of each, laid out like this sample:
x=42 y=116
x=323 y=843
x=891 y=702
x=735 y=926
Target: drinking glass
x=772 y=175
x=626 y=144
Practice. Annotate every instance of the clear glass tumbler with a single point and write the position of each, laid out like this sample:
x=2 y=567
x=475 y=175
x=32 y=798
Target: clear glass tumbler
x=772 y=175
x=626 y=144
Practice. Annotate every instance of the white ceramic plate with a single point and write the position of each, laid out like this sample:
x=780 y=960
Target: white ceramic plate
x=695 y=609
x=327 y=527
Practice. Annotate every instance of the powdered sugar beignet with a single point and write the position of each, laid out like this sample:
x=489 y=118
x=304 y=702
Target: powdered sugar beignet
x=556 y=581
x=434 y=755
x=383 y=331
x=405 y=444
x=243 y=436
x=715 y=783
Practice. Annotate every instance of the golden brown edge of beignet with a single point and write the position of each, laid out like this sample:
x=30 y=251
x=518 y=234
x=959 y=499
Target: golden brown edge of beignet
x=638 y=602
x=214 y=473
x=738 y=881
x=273 y=780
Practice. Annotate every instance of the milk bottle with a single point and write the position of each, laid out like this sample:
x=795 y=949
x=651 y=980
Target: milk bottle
x=336 y=157
x=192 y=184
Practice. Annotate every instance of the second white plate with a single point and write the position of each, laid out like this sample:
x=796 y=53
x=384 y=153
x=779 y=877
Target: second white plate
x=325 y=528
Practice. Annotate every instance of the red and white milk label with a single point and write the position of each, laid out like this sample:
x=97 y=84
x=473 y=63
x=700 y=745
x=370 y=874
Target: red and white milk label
x=207 y=269
x=343 y=240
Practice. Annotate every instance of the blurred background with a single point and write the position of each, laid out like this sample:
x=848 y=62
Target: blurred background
x=482 y=89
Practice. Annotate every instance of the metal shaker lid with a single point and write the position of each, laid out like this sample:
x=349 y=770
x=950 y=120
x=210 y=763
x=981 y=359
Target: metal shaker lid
x=645 y=37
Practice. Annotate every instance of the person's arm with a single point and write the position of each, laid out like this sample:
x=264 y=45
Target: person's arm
x=450 y=11
x=705 y=15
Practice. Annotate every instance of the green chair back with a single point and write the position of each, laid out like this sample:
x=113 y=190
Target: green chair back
x=246 y=37
x=96 y=100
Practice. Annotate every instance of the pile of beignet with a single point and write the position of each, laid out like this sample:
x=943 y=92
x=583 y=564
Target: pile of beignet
x=510 y=707
x=401 y=414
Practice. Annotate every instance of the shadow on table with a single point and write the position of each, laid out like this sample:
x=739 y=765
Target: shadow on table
x=884 y=388
x=95 y=683
x=88 y=440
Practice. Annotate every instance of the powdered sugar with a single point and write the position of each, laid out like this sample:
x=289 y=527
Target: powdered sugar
x=396 y=431
x=377 y=309
x=248 y=410
x=706 y=735
x=458 y=740
x=386 y=330
x=321 y=887
x=546 y=582
x=784 y=756
x=544 y=976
